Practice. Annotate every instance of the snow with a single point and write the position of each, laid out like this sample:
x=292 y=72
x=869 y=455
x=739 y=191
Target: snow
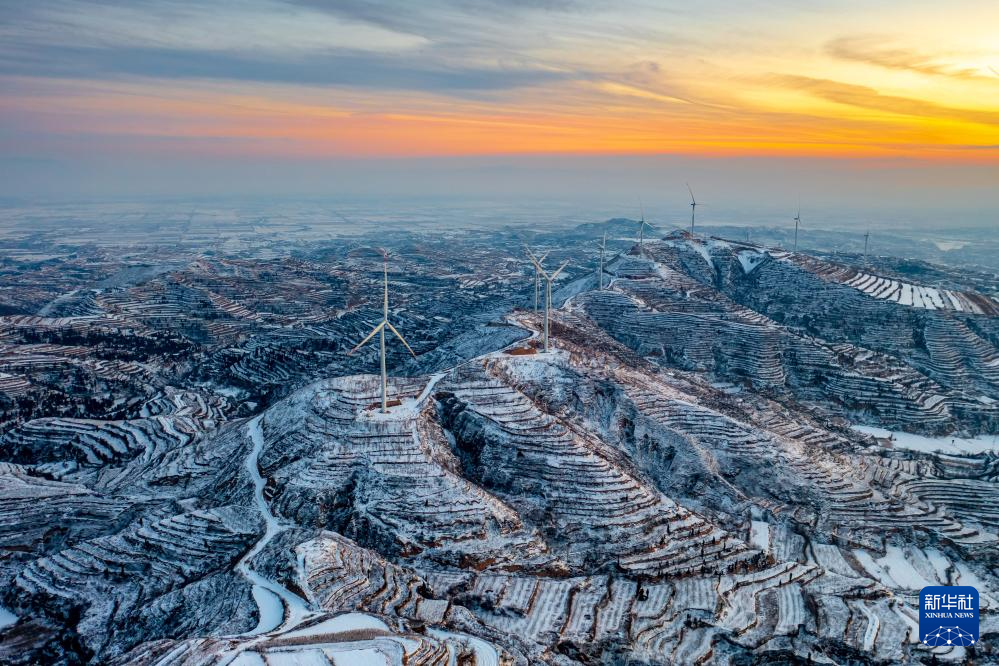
x=759 y=535
x=906 y=296
x=901 y=571
x=306 y=657
x=951 y=445
x=873 y=568
x=485 y=654
x=409 y=408
x=965 y=576
x=903 y=293
x=940 y=564
x=947 y=246
x=749 y=259
x=248 y=659
x=364 y=657
x=893 y=569
x=341 y=624
x=271 y=609
x=6 y=618
x=873 y=625
x=703 y=251
x=271 y=597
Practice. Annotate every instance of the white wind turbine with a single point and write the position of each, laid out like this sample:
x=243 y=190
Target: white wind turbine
x=693 y=208
x=380 y=329
x=548 y=288
x=603 y=248
x=537 y=278
x=641 y=227
x=797 y=221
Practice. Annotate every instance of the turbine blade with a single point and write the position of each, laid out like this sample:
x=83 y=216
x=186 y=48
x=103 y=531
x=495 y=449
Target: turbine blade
x=401 y=339
x=537 y=264
x=555 y=274
x=372 y=334
x=692 y=200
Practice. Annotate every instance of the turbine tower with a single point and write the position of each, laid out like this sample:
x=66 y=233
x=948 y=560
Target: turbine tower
x=641 y=227
x=867 y=237
x=548 y=288
x=797 y=221
x=603 y=247
x=693 y=208
x=380 y=329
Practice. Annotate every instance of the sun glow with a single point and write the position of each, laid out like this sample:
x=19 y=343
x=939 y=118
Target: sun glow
x=910 y=83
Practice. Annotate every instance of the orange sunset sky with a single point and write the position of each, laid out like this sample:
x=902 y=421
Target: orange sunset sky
x=153 y=83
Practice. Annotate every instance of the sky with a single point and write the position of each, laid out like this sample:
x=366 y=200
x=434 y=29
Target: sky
x=893 y=104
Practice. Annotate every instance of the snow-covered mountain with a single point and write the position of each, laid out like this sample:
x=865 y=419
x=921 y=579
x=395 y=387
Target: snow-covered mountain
x=680 y=480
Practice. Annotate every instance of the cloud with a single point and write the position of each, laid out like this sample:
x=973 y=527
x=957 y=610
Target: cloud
x=870 y=49
x=332 y=69
x=869 y=98
x=458 y=48
x=257 y=26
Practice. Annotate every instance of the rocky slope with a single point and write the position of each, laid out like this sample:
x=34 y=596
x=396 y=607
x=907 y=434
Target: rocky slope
x=677 y=481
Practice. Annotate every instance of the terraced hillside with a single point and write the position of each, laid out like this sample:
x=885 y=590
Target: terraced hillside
x=685 y=478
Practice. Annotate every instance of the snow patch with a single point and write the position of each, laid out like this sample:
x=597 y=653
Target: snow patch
x=485 y=654
x=951 y=445
x=6 y=618
x=340 y=624
x=749 y=259
x=759 y=535
x=893 y=570
x=703 y=251
x=248 y=659
x=901 y=570
x=307 y=657
x=362 y=657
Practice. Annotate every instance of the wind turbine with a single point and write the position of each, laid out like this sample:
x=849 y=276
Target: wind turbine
x=537 y=278
x=693 y=208
x=380 y=329
x=603 y=247
x=548 y=288
x=867 y=237
x=797 y=221
x=641 y=227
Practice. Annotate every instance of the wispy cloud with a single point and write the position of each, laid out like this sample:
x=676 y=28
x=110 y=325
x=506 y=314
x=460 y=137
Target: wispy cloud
x=869 y=98
x=342 y=68
x=874 y=50
x=260 y=26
